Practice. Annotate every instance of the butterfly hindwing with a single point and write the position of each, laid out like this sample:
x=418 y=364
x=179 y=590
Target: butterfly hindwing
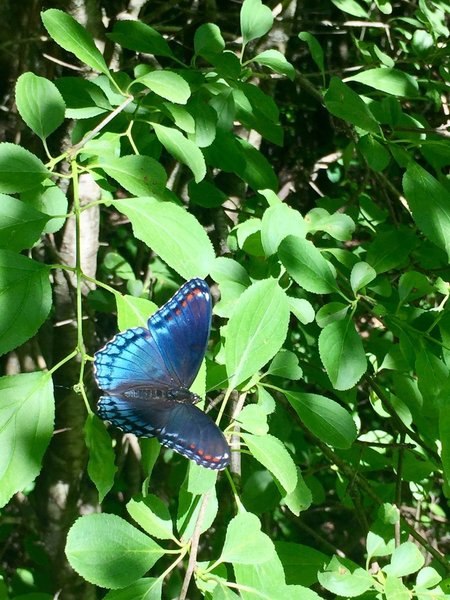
x=178 y=425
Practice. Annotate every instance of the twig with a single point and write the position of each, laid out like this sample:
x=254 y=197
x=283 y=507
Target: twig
x=398 y=490
x=194 y=548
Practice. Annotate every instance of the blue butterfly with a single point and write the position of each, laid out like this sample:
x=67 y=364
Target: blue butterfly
x=147 y=374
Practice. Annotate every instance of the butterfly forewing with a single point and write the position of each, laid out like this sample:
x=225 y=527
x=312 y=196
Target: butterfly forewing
x=131 y=359
x=182 y=330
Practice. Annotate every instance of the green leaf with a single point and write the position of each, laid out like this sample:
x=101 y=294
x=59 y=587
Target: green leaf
x=25 y=300
x=20 y=170
x=306 y=265
x=302 y=309
x=275 y=61
x=198 y=479
x=117 y=265
x=253 y=419
x=153 y=516
x=223 y=104
x=272 y=454
x=205 y=118
x=27 y=413
x=330 y=312
x=256 y=20
x=342 y=354
x=245 y=543
x=20 y=225
x=406 y=559
x=206 y=194
x=278 y=222
x=376 y=546
x=171 y=232
x=166 y=84
x=256 y=171
x=133 y=312
x=101 y=467
x=182 y=149
x=390 y=249
x=265 y=580
x=413 y=285
x=338 y=225
x=256 y=330
x=108 y=551
x=315 y=49
x=361 y=275
x=301 y=563
x=222 y=592
x=180 y=116
x=429 y=202
x=40 y=104
x=428 y=578
x=337 y=579
x=300 y=498
x=83 y=98
x=71 y=36
x=351 y=7
x=394 y=589
x=388 y=81
x=344 y=103
x=327 y=419
x=285 y=365
x=140 y=37
x=253 y=114
x=189 y=506
x=139 y=175
x=444 y=433
x=147 y=588
x=208 y=40
x=376 y=155
x=49 y=200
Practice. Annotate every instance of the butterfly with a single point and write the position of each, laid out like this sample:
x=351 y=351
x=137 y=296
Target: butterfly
x=147 y=373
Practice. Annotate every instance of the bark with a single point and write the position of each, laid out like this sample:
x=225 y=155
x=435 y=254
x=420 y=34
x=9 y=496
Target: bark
x=63 y=491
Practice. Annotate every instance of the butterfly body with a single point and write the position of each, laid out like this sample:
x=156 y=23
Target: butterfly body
x=147 y=374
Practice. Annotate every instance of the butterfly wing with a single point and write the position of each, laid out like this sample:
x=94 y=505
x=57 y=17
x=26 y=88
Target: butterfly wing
x=168 y=354
x=178 y=425
x=181 y=330
x=131 y=359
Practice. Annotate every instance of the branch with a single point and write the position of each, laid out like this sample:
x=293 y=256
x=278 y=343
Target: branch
x=194 y=548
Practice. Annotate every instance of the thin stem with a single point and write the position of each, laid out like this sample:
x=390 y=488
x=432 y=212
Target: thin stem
x=79 y=280
x=398 y=489
x=87 y=278
x=102 y=124
x=63 y=361
x=223 y=405
x=194 y=548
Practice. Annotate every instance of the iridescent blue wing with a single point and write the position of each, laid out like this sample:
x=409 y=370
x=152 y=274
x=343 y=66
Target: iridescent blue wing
x=168 y=354
x=178 y=425
x=181 y=330
x=131 y=359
